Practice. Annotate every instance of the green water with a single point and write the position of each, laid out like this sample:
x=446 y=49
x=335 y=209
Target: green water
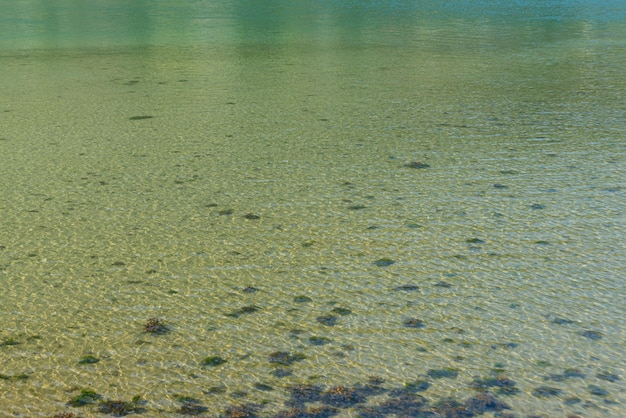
x=243 y=172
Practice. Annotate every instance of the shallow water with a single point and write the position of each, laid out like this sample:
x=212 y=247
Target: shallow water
x=244 y=173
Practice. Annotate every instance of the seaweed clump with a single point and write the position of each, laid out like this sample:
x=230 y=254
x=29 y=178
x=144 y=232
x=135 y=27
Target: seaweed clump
x=120 y=408
x=505 y=385
x=244 y=310
x=9 y=342
x=383 y=262
x=451 y=408
x=285 y=358
x=405 y=405
x=85 y=397
x=243 y=411
x=545 y=391
x=190 y=406
x=413 y=323
x=213 y=361
x=63 y=415
x=447 y=372
x=156 y=326
x=341 y=396
x=302 y=394
x=88 y=359
x=417 y=164
x=328 y=320
x=311 y=412
x=483 y=402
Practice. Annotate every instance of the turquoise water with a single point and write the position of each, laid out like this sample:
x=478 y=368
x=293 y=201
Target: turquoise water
x=336 y=208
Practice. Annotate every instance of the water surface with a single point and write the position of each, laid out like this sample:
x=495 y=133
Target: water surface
x=312 y=178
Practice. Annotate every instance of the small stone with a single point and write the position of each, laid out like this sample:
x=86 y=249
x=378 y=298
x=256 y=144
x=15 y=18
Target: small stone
x=342 y=311
x=340 y=396
x=610 y=377
x=284 y=357
x=155 y=326
x=243 y=311
x=328 y=320
x=597 y=390
x=88 y=359
x=263 y=387
x=592 y=335
x=413 y=323
x=213 y=361
x=302 y=394
x=86 y=397
x=408 y=287
x=383 y=262
x=562 y=321
x=319 y=340
x=546 y=391
x=417 y=386
x=443 y=373
x=484 y=402
x=281 y=372
x=417 y=164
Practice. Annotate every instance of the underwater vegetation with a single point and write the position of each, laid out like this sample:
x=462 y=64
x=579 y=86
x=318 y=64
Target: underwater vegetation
x=545 y=391
x=120 y=408
x=319 y=340
x=417 y=164
x=9 y=342
x=85 y=397
x=243 y=311
x=117 y=408
x=591 y=334
x=447 y=372
x=328 y=320
x=88 y=359
x=213 y=361
x=383 y=262
x=243 y=411
x=17 y=377
x=413 y=323
x=190 y=406
x=156 y=326
x=284 y=357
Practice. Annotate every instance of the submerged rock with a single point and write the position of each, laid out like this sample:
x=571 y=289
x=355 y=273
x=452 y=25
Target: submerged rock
x=284 y=357
x=383 y=262
x=341 y=396
x=483 y=402
x=413 y=323
x=592 y=335
x=417 y=164
x=328 y=320
x=447 y=372
x=546 y=391
x=155 y=326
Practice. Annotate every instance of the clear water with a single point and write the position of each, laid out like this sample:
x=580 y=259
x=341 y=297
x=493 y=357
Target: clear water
x=242 y=171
